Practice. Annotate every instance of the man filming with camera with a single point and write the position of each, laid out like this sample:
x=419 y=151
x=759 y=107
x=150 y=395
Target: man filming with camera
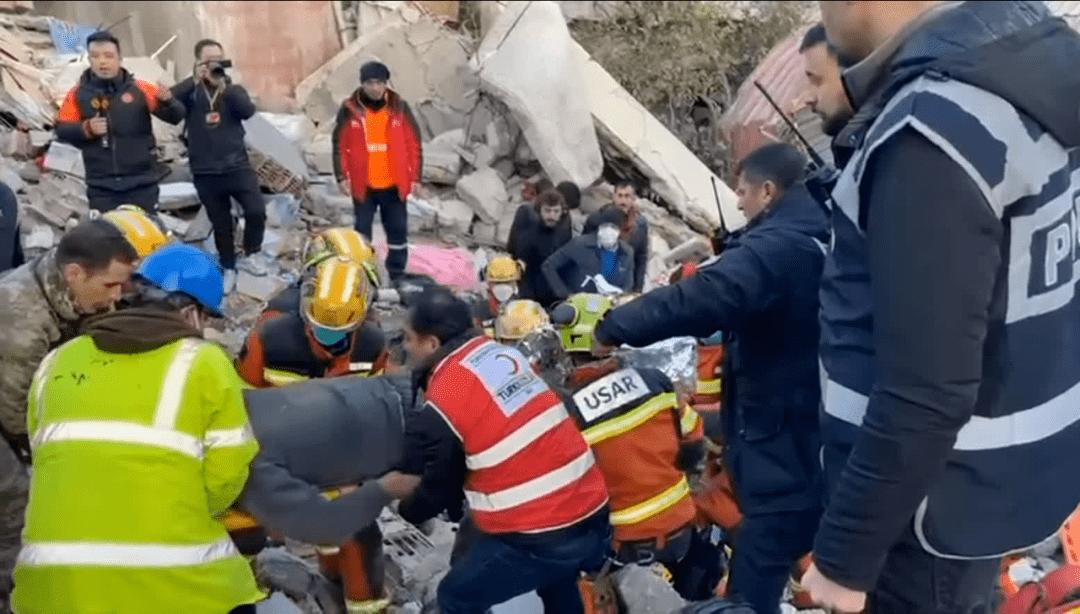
x=216 y=108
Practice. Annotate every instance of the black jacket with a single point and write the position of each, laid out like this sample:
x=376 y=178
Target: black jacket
x=763 y=293
x=11 y=254
x=639 y=241
x=220 y=148
x=532 y=242
x=130 y=160
x=569 y=269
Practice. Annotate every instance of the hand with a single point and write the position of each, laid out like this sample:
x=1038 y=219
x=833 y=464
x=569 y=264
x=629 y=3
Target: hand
x=202 y=71
x=601 y=349
x=344 y=490
x=164 y=94
x=99 y=126
x=399 y=485
x=343 y=185
x=831 y=595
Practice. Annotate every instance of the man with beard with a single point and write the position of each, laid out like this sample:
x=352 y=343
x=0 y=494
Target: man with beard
x=538 y=232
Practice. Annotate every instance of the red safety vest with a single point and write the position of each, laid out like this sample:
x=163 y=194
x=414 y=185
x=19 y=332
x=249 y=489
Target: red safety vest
x=530 y=469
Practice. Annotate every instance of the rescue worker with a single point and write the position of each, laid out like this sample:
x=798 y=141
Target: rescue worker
x=127 y=477
x=949 y=313
x=141 y=231
x=762 y=292
x=537 y=232
x=328 y=243
x=328 y=336
x=328 y=434
x=595 y=262
x=536 y=498
x=645 y=440
x=501 y=278
x=107 y=116
x=11 y=253
x=634 y=229
x=378 y=159
x=42 y=305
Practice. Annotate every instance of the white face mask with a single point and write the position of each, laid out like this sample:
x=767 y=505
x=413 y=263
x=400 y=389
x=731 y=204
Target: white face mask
x=608 y=236
x=503 y=292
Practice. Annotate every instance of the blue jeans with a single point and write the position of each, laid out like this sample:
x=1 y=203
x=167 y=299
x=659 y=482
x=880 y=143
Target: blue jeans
x=495 y=569
x=767 y=546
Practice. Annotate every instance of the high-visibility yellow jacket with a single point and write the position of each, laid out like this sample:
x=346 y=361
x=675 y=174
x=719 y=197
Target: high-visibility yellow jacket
x=133 y=454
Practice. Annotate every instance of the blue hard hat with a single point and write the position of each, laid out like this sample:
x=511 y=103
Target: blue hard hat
x=187 y=269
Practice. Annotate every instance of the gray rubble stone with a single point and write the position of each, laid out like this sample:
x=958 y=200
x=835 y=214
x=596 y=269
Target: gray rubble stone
x=262 y=287
x=483 y=190
x=64 y=158
x=178 y=195
x=645 y=592
x=454 y=215
x=282 y=211
x=442 y=162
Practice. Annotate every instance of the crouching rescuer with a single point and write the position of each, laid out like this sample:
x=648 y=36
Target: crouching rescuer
x=140 y=436
x=536 y=499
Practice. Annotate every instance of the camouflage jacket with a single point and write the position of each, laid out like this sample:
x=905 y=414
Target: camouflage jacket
x=36 y=315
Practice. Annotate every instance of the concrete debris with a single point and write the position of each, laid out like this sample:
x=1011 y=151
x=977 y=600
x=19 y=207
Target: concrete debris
x=483 y=190
x=179 y=195
x=455 y=215
x=11 y=178
x=278 y=603
x=546 y=99
x=331 y=206
x=262 y=287
x=693 y=250
x=64 y=158
x=299 y=580
x=655 y=267
x=282 y=211
x=296 y=128
x=413 y=563
x=319 y=154
x=631 y=132
x=40 y=237
x=645 y=592
x=279 y=164
x=442 y=157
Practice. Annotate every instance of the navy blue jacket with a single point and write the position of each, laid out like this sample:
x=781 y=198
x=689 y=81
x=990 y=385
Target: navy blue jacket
x=567 y=270
x=215 y=149
x=638 y=241
x=763 y=293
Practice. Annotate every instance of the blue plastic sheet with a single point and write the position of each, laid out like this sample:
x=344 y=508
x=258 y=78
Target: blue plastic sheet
x=69 y=38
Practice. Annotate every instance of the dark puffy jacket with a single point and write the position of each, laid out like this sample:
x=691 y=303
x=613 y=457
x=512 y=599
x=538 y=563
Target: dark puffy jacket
x=639 y=241
x=318 y=435
x=763 y=293
x=215 y=149
x=11 y=254
x=532 y=242
x=569 y=269
x=129 y=161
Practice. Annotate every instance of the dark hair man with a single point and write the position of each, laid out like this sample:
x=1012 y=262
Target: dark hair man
x=950 y=321
x=538 y=231
x=11 y=254
x=635 y=229
x=537 y=502
x=42 y=304
x=377 y=160
x=763 y=293
x=107 y=116
x=595 y=262
x=216 y=108
x=826 y=96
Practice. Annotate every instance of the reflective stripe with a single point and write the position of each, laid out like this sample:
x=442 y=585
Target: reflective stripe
x=653 y=506
x=377 y=147
x=843 y=403
x=533 y=489
x=630 y=420
x=229 y=438
x=709 y=386
x=398 y=246
x=172 y=389
x=118 y=432
x=689 y=421
x=371 y=606
x=328 y=550
x=282 y=378
x=519 y=439
x=361 y=366
x=124 y=555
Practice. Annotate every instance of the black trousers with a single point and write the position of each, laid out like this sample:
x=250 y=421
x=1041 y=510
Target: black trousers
x=395 y=221
x=767 y=546
x=104 y=199
x=216 y=193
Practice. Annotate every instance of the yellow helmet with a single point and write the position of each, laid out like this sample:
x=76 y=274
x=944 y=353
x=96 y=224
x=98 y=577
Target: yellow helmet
x=335 y=294
x=502 y=270
x=338 y=242
x=520 y=318
x=143 y=234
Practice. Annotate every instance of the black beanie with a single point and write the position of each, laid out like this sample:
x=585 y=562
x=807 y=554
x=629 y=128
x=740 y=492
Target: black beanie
x=374 y=70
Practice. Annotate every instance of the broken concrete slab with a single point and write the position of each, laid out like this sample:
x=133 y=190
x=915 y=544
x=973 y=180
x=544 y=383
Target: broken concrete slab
x=454 y=215
x=64 y=158
x=40 y=237
x=179 y=195
x=294 y=127
x=674 y=172
x=319 y=154
x=654 y=266
x=485 y=232
x=263 y=137
x=483 y=190
x=262 y=287
x=545 y=100
x=282 y=211
x=11 y=178
x=429 y=65
x=644 y=591
x=499 y=137
x=442 y=162
x=176 y=226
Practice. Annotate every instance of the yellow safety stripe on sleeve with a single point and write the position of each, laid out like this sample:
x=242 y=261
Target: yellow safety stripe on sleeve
x=652 y=506
x=277 y=377
x=630 y=420
x=371 y=606
x=690 y=420
x=710 y=386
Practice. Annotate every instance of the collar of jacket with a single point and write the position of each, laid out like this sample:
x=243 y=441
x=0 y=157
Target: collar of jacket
x=54 y=287
x=136 y=330
x=393 y=100
x=89 y=78
x=422 y=375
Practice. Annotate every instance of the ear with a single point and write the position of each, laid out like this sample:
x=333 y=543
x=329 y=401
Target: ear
x=770 y=190
x=74 y=272
x=432 y=342
x=521 y=265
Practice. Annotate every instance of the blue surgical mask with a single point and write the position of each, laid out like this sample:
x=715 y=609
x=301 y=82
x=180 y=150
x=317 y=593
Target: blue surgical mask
x=327 y=337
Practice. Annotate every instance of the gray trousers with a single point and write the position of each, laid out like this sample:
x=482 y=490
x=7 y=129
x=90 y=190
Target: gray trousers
x=14 y=492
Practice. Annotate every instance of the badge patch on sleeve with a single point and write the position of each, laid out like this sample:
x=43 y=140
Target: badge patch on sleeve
x=507 y=376
x=610 y=393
